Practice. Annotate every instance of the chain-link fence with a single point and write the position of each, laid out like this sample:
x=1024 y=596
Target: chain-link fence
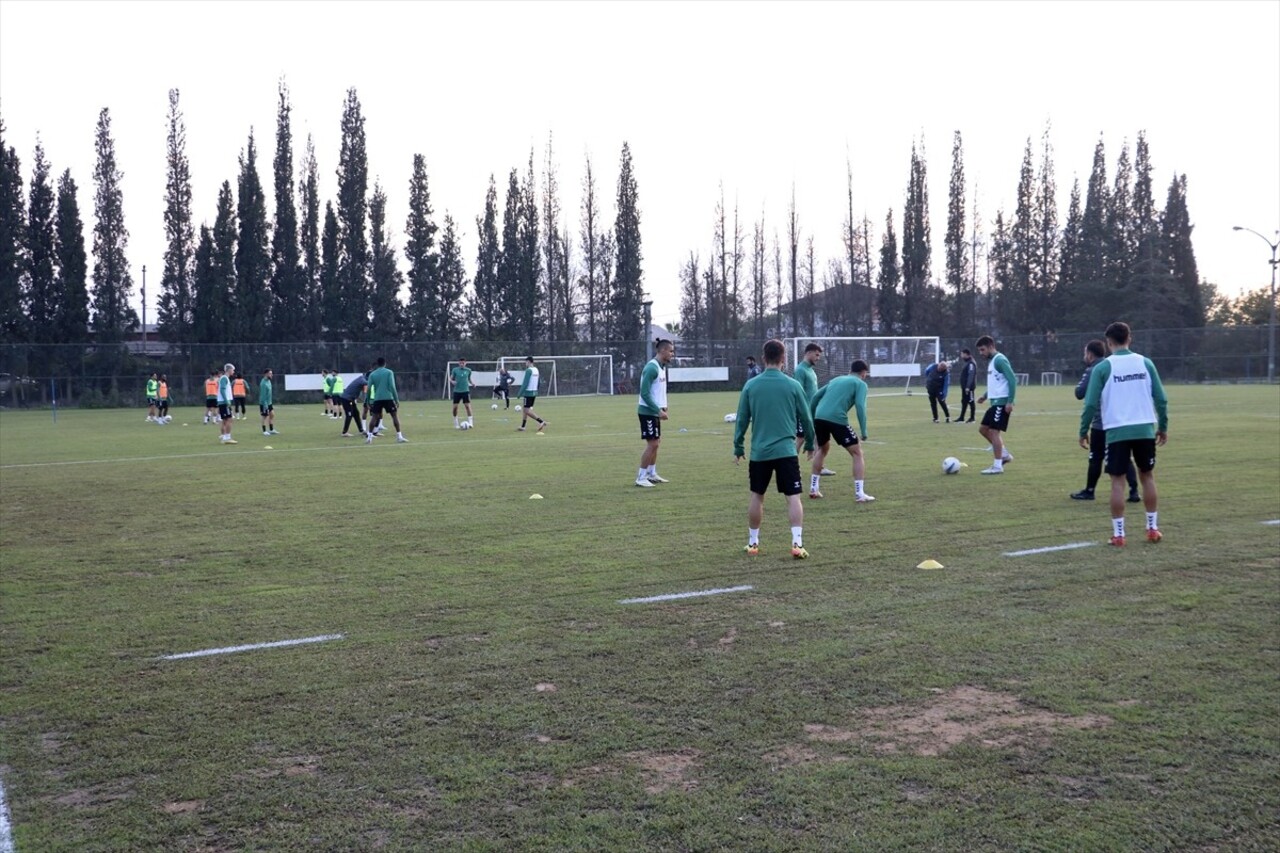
x=104 y=376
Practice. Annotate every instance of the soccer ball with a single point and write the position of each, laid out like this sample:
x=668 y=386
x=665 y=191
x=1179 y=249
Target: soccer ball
x=731 y=418
x=951 y=465
x=465 y=425
x=494 y=407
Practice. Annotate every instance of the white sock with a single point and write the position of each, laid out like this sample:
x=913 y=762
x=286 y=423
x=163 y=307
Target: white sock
x=857 y=487
x=640 y=473
x=1117 y=527
x=813 y=482
x=399 y=434
x=797 y=536
x=652 y=470
x=998 y=464
x=455 y=421
x=1151 y=521
x=753 y=535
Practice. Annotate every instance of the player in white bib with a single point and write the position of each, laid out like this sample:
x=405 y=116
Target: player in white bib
x=1135 y=413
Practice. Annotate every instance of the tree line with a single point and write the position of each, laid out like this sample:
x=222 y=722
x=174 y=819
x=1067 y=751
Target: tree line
x=330 y=272
x=1117 y=254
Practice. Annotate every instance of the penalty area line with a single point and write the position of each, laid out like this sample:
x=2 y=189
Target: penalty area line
x=227 y=650
x=1067 y=547
x=1273 y=522
x=6 y=831
x=672 y=596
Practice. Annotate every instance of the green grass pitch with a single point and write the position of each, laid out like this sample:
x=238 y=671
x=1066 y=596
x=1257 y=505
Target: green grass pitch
x=490 y=692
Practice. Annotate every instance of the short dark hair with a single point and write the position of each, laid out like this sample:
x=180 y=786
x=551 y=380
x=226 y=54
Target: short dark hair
x=380 y=361
x=1096 y=347
x=812 y=348
x=985 y=341
x=1119 y=333
x=774 y=351
x=858 y=366
x=751 y=358
x=529 y=359
x=966 y=351
x=662 y=343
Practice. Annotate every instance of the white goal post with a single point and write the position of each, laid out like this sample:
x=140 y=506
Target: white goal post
x=564 y=375
x=897 y=363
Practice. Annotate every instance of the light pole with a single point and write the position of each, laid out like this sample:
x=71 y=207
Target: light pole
x=1271 y=322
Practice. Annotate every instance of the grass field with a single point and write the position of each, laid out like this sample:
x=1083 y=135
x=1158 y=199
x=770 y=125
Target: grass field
x=490 y=691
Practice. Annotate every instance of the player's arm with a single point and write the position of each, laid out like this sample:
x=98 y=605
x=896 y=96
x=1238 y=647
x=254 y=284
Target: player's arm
x=646 y=386
x=740 y=426
x=946 y=386
x=1161 y=401
x=860 y=405
x=524 y=385
x=806 y=418
x=1093 y=398
x=817 y=398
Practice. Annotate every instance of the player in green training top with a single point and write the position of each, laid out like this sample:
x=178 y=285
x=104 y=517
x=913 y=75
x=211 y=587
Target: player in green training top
x=225 y=402
x=1135 y=413
x=653 y=411
x=382 y=388
x=831 y=407
x=529 y=395
x=153 y=397
x=266 y=403
x=460 y=379
x=1002 y=385
x=772 y=404
x=808 y=379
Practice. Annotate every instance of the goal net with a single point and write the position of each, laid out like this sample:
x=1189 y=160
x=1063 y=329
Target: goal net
x=564 y=375
x=897 y=363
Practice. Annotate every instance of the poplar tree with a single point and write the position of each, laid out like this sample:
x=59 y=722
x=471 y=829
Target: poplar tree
x=1180 y=256
x=312 y=293
x=289 y=299
x=889 y=281
x=592 y=238
x=452 y=320
x=1085 y=305
x=916 y=250
x=559 y=302
x=253 y=261
x=1070 y=258
x=628 y=285
x=425 y=303
x=215 y=280
x=112 y=281
x=693 y=302
x=42 y=295
x=205 y=295
x=12 y=226
x=333 y=313
x=506 y=298
x=176 y=307
x=531 y=320
x=352 y=212
x=385 y=319
x=487 y=299
x=1121 y=244
x=72 y=319
x=793 y=261
x=1014 y=290
x=1045 y=256
x=1155 y=301
x=958 y=277
x=759 y=279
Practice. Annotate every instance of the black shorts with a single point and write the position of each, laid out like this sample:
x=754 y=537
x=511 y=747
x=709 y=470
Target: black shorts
x=799 y=428
x=787 y=468
x=266 y=410
x=224 y=411
x=650 y=427
x=153 y=401
x=529 y=401
x=827 y=430
x=1141 y=450
x=384 y=407
x=239 y=401
x=997 y=417
x=462 y=397
x=211 y=402
x=328 y=398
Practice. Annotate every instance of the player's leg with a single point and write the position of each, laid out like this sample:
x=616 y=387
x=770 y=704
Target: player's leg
x=946 y=413
x=859 y=474
x=815 y=475
x=933 y=406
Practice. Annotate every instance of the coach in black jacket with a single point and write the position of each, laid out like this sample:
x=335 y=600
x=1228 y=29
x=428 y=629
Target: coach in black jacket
x=968 y=384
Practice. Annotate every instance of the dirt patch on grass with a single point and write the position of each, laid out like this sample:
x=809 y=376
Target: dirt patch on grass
x=727 y=640
x=182 y=807
x=545 y=687
x=664 y=771
x=94 y=797
x=52 y=741
x=289 y=765
x=964 y=714
x=796 y=755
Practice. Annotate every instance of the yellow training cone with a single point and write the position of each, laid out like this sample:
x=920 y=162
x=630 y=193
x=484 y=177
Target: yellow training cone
x=930 y=564
x=535 y=497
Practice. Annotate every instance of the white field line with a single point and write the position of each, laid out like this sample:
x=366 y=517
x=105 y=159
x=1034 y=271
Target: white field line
x=1273 y=522
x=1068 y=547
x=6 y=832
x=672 y=596
x=227 y=650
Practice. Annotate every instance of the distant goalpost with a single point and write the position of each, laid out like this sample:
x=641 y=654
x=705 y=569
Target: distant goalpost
x=897 y=363
x=558 y=375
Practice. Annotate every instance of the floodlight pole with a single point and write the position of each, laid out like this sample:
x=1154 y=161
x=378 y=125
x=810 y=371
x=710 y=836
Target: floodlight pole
x=144 y=309
x=648 y=324
x=1271 y=322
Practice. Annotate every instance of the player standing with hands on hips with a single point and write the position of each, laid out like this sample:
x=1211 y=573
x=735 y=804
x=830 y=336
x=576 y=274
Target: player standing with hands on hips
x=772 y=404
x=652 y=411
x=1135 y=414
x=1002 y=385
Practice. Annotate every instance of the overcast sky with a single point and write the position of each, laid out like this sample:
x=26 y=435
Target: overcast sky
x=762 y=96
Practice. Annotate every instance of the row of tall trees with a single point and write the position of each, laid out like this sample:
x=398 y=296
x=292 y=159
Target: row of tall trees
x=308 y=276
x=1117 y=254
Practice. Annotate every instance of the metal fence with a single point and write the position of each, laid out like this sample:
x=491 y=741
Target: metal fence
x=107 y=376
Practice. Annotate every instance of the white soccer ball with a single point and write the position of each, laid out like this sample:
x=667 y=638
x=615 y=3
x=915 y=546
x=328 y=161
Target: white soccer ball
x=494 y=407
x=951 y=465
x=465 y=425
x=731 y=418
